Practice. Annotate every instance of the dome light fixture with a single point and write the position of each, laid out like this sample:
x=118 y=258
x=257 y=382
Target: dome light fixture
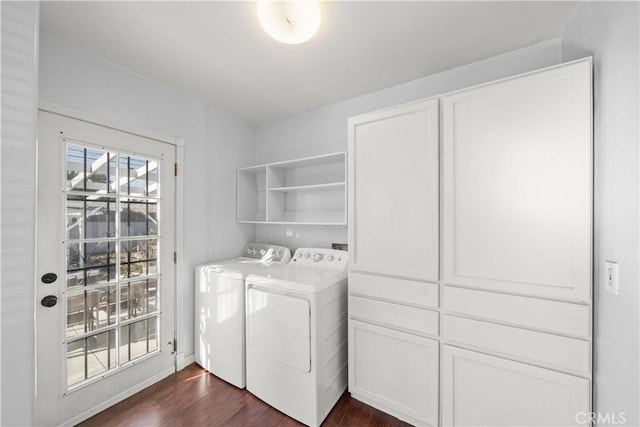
x=290 y=21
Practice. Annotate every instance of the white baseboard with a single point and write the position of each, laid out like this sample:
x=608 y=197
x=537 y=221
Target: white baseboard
x=184 y=361
x=118 y=398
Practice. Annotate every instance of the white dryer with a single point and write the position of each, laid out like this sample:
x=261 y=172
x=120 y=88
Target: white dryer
x=219 y=309
x=297 y=334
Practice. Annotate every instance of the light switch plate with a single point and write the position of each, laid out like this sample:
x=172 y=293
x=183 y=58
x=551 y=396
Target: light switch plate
x=611 y=277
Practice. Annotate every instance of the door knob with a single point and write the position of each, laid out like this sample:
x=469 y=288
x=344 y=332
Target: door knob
x=49 y=278
x=49 y=301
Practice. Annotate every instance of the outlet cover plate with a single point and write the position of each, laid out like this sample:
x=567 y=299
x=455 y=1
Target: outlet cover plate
x=611 y=283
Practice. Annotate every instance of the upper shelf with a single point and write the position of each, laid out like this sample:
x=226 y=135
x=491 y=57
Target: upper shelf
x=320 y=160
x=307 y=191
x=253 y=169
x=312 y=187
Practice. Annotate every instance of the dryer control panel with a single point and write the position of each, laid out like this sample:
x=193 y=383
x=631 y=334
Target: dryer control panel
x=267 y=253
x=320 y=257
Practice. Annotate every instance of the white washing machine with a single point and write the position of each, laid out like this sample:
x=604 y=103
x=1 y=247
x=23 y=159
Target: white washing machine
x=219 y=309
x=297 y=334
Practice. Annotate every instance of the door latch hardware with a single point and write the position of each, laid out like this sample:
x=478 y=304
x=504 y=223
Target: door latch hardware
x=49 y=278
x=49 y=301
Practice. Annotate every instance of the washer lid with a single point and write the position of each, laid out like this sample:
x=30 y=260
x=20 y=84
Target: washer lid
x=237 y=268
x=299 y=278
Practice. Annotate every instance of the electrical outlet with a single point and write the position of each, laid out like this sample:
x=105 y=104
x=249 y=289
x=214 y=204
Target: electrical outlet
x=611 y=277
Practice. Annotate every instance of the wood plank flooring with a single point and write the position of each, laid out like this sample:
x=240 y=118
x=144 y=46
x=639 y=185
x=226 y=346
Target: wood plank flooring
x=194 y=397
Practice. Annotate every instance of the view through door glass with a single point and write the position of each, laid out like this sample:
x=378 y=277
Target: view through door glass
x=112 y=265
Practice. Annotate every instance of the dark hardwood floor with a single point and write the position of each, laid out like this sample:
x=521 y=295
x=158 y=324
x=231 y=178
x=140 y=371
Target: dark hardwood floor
x=194 y=397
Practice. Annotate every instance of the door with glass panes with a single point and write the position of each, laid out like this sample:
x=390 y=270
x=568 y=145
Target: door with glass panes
x=105 y=273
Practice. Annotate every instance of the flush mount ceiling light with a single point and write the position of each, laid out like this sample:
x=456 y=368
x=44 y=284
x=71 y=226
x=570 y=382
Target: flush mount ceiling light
x=289 y=21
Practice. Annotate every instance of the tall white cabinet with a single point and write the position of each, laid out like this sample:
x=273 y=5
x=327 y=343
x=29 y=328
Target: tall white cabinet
x=470 y=230
x=393 y=254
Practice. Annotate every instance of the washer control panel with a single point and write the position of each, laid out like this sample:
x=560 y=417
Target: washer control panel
x=267 y=253
x=320 y=257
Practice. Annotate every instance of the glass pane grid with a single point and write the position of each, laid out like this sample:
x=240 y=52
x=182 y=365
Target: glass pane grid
x=113 y=239
x=90 y=169
x=112 y=243
x=138 y=339
x=93 y=195
x=90 y=357
x=90 y=310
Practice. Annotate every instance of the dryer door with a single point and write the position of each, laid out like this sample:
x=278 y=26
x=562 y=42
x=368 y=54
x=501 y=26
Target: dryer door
x=279 y=327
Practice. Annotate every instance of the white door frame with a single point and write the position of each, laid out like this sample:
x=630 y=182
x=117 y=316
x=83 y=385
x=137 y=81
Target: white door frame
x=179 y=144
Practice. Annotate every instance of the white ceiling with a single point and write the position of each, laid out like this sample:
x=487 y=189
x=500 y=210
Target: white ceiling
x=217 y=52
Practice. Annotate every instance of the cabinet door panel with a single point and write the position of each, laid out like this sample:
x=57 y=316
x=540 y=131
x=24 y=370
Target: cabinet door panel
x=568 y=354
x=396 y=370
x=562 y=318
x=411 y=319
x=393 y=191
x=517 y=185
x=420 y=294
x=481 y=390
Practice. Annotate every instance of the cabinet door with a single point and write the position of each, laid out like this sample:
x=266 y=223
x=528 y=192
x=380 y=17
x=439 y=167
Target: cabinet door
x=393 y=191
x=518 y=185
x=481 y=390
x=394 y=371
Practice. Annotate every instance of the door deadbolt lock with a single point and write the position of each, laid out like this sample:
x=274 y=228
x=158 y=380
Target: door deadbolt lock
x=49 y=301
x=49 y=278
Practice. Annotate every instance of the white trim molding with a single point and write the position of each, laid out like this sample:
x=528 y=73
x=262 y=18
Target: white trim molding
x=98 y=120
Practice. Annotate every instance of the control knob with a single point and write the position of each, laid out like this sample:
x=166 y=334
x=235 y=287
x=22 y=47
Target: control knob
x=317 y=257
x=330 y=258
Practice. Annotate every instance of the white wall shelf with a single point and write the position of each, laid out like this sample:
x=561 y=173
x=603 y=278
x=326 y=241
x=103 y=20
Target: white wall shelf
x=309 y=187
x=308 y=191
x=251 y=196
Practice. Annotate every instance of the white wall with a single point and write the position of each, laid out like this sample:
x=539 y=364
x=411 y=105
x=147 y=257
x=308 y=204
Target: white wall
x=18 y=169
x=216 y=144
x=325 y=130
x=610 y=32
